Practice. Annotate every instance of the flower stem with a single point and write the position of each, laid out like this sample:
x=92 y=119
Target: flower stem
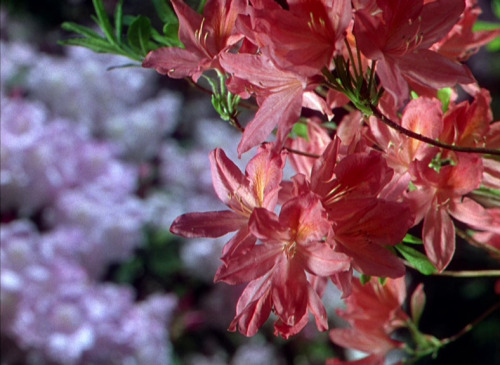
x=470 y=273
x=431 y=141
x=471 y=325
x=301 y=153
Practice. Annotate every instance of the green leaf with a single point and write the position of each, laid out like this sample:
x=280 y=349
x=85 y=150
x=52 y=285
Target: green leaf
x=496 y=8
x=201 y=6
x=480 y=25
x=483 y=25
x=139 y=33
x=96 y=45
x=165 y=12
x=364 y=279
x=80 y=29
x=128 y=272
x=171 y=32
x=103 y=21
x=412 y=239
x=411 y=186
x=330 y=125
x=445 y=96
x=416 y=259
x=300 y=130
x=119 y=20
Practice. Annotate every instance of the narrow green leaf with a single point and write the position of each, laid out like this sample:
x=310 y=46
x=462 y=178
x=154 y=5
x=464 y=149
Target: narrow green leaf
x=483 y=25
x=139 y=33
x=119 y=20
x=96 y=45
x=330 y=125
x=412 y=239
x=165 y=12
x=103 y=21
x=416 y=259
x=382 y=281
x=445 y=96
x=171 y=32
x=496 y=8
x=159 y=38
x=80 y=29
x=480 y=25
x=201 y=6
x=129 y=19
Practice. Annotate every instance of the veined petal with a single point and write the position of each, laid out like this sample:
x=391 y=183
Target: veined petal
x=280 y=109
x=317 y=309
x=373 y=260
x=392 y=79
x=290 y=291
x=254 y=264
x=432 y=69
x=207 y=224
x=438 y=234
x=265 y=172
x=239 y=244
x=230 y=184
x=376 y=342
x=174 y=62
x=253 y=307
x=321 y=260
x=259 y=71
x=472 y=213
x=265 y=226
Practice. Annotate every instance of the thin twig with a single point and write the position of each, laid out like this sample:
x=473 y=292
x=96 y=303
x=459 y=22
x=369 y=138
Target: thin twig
x=302 y=153
x=462 y=234
x=471 y=325
x=469 y=273
x=428 y=140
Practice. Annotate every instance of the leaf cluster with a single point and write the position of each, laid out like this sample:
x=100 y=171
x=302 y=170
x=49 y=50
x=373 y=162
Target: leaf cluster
x=126 y=35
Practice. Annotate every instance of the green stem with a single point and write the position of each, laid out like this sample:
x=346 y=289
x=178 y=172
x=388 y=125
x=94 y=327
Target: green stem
x=351 y=57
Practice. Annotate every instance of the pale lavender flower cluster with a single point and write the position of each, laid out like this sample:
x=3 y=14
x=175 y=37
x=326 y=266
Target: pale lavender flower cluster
x=70 y=210
x=57 y=314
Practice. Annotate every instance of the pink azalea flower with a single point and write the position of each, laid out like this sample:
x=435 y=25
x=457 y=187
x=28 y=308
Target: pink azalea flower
x=374 y=312
x=441 y=195
x=399 y=37
x=303 y=38
x=462 y=42
x=363 y=223
x=292 y=244
x=279 y=96
x=204 y=38
x=445 y=177
x=258 y=187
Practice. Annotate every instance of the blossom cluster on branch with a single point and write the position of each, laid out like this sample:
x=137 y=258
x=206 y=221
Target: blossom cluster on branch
x=405 y=153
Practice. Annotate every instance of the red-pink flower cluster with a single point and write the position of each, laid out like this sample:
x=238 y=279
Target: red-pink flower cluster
x=359 y=190
x=374 y=311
